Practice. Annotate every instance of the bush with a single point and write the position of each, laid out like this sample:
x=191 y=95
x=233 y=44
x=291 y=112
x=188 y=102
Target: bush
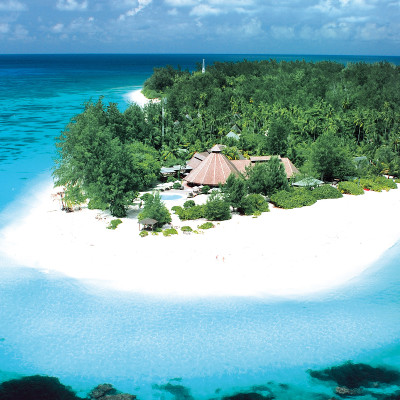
x=170 y=231
x=206 y=225
x=144 y=233
x=267 y=178
x=235 y=189
x=347 y=187
x=216 y=208
x=95 y=204
x=176 y=185
x=189 y=203
x=326 y=192
x=154 y=208
x=195 y=212
x=186 y=228
x=378 y=183
x=253 y=203
x=114 y=223
x=118 y=209
x=191 y=213
x=146 y=196
x=293 y=199
x=177 y=209
x=205 y=189
x=171 y=179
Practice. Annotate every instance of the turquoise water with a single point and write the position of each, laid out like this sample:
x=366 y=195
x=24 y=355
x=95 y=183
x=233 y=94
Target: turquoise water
x=87 y=335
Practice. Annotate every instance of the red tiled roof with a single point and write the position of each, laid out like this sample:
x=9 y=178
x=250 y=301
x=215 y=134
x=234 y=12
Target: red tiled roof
x=241 y=164
x=290 y=169
x=197 y=158
x=214 y=170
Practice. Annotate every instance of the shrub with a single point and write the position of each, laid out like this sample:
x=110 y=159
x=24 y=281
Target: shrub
x=326 y=192
x=205 y=189
x=189 y=203
x=267 y=178
x=216 y=208
x=234 y=190
x=143 y=233
x=378 y=183
x=154 y=208
x=253 y=203
x=186 y=228
x=191 y=213
x=96 y=204
x=171 y=179
x=176 y=185
x=293 y=199
x=195 y=212
x=114 y=223
x=146 y=196
x=206 y=225
x=348 y=187
x=177 y=209
x=170 y=231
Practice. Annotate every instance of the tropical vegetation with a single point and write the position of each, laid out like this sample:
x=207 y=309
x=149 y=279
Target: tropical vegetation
x=321 y=115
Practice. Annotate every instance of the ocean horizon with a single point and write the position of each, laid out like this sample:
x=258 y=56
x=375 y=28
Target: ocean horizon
x=204 y=347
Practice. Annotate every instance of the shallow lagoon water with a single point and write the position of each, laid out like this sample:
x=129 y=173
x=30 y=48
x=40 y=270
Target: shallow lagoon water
x=86 y=335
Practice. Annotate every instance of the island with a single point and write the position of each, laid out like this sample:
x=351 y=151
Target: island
x=291 y=163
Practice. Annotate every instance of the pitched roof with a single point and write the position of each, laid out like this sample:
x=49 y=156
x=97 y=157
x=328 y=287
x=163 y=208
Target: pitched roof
x=290 y=169
x=214 y=170
x=197 y=158
x=241 y=164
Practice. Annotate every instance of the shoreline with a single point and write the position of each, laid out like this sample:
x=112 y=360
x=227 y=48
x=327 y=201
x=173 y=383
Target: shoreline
x=136 y=96
x=284 y=253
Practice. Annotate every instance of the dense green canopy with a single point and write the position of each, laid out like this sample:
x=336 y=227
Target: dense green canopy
x=320 y=115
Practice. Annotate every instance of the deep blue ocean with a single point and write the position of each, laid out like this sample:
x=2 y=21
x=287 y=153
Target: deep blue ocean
x=206 y=347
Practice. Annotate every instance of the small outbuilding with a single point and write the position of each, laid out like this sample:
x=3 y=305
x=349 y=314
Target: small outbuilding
x=147 y=223
x=308 y=182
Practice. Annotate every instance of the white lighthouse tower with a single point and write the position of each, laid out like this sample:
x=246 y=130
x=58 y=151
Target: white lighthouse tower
x=203 y=69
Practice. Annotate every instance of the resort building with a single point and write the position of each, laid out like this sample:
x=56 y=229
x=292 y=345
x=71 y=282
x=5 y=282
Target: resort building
x=213 y=168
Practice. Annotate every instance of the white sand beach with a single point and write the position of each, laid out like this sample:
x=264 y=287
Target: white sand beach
x=282 y=253
x=136 y=96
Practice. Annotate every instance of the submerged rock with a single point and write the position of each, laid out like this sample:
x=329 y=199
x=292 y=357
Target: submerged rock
x=354 y=376
x=249 y=396
x=101 y=390
x=36 y=387
x=106 y=391
x=344 y=391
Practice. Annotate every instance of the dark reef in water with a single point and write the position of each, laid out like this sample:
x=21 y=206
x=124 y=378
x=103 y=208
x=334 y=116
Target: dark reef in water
x=34 y=388
x=348 y=380
x=178 y=391
x=355 y=376
x=39 y=387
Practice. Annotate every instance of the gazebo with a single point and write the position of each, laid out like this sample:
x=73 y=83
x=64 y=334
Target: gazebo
x=308 y=182
x=147 y=222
